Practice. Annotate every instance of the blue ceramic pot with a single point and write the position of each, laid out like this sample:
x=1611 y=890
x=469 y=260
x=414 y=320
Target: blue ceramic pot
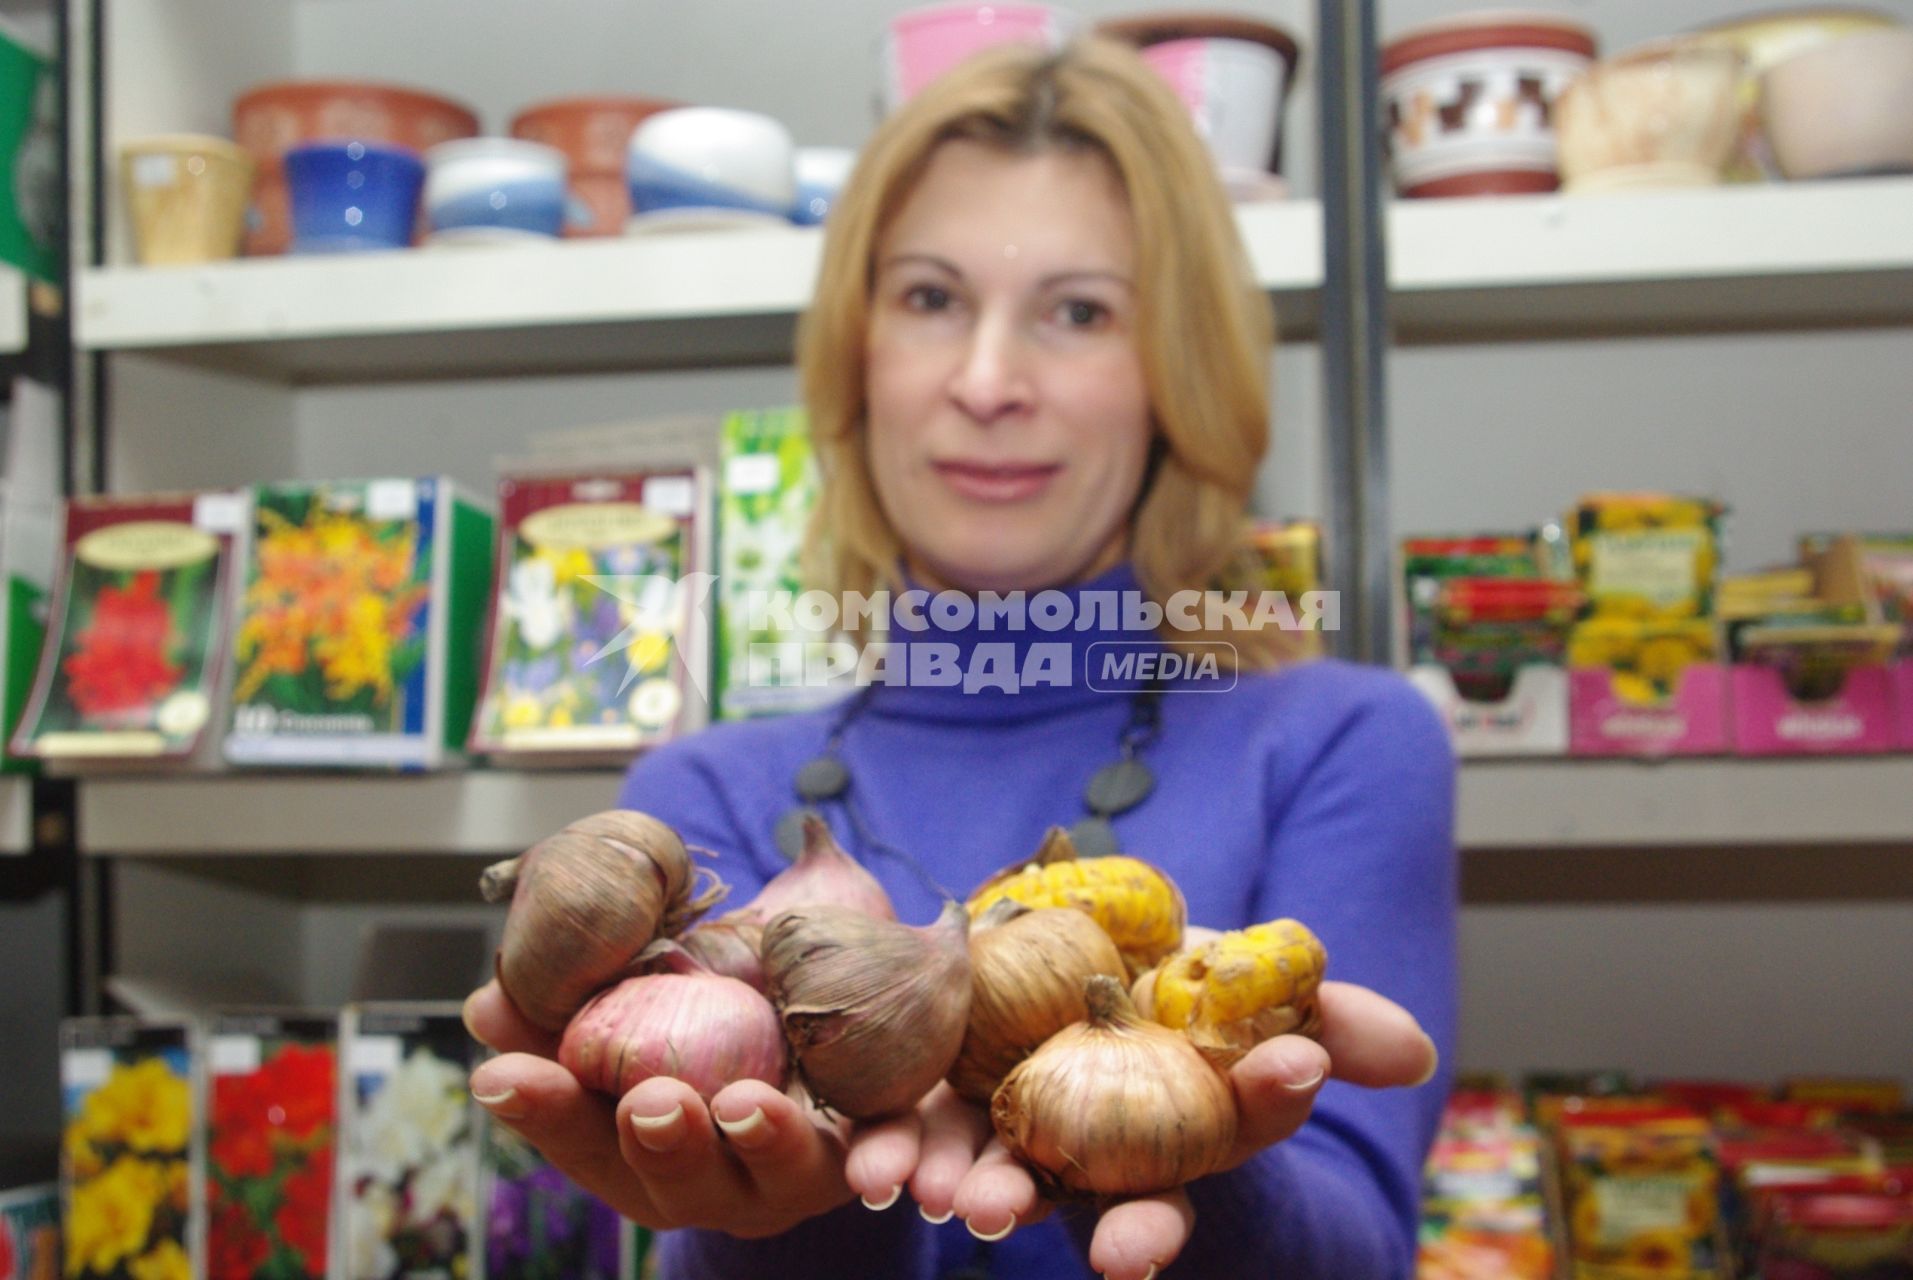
x=352 y=195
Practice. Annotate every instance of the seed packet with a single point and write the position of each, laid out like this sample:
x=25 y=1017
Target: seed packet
x=27 y=533
x=129 y=1150
x=1642 y=1191
x=1647 y=555
x=407 y=1192
x=539 y=1225
x=30 y=1232
x=272 y=1106
x=599 y=638
x=353 y=640
x=135 y=648
x=767 y=489
x=1285 y=556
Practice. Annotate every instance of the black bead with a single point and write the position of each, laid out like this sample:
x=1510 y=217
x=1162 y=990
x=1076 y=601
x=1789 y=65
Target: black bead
x=789 y=831
x=1094 y=838
x=1118 y=788
x=822 y=778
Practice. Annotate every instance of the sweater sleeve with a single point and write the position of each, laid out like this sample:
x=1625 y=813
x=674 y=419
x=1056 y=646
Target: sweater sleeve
x=684 y=785
x=1362 y=852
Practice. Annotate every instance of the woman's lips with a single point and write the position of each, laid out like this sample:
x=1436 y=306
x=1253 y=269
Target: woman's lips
x=982 y=482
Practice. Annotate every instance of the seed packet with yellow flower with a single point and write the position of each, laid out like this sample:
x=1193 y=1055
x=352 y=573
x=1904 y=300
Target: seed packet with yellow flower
x=352 y=641
x=136 y=647
x=407 y=1189
x=129 y=1150
x=599 y=638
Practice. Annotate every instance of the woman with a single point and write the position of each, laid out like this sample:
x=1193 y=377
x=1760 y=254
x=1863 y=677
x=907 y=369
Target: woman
x=1036 y=363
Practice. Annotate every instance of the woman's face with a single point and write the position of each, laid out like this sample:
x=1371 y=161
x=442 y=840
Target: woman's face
x=1009 y=423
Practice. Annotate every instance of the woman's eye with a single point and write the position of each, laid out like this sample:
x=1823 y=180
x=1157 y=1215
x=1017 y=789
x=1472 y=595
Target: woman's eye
x=926 y=297
x=1081 y=313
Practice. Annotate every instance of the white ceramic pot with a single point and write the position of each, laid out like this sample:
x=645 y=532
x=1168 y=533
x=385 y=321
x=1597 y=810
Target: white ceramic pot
x=712 y=158
x=1843 y=108
x=1665 y=114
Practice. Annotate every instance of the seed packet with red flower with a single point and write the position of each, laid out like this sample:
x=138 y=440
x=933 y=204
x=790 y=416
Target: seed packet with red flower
x=136 y=645
x=271 y=1112
x=130 y=1150
x=352 y=644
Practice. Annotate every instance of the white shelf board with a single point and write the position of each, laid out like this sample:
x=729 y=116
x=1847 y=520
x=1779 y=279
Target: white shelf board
x=450 y=813
x=1775 y=255
x=1700 y=802
x=13 y=310
x=16 y=815
x=666 y=300
x=1503 y=804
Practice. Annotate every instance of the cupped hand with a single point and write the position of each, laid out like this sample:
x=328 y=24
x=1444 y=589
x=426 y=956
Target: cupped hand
x=753 y=1162
x=1367 y=1039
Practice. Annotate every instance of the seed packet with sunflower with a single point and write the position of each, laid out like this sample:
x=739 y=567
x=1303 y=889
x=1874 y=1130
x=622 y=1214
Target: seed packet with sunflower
x=129 y=1150
x=599 y=642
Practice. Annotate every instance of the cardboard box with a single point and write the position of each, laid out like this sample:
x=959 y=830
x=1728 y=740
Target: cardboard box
x=1532 y=720
x=1692 y=722
x=1900 y=675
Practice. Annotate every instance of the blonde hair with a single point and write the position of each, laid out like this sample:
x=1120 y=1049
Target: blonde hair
x=1205 y=329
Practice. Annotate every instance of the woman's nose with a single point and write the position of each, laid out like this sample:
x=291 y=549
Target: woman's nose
x=992 y=376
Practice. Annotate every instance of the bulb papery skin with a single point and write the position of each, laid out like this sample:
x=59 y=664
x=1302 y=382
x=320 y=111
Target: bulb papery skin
x=1241 y=988
x=873 y=1010
x=824 y=873
x=1138 y=906
x=585 y=903
x=728 y=946
x=1116 y=1106
x=704 y=1029
x=1028 y=971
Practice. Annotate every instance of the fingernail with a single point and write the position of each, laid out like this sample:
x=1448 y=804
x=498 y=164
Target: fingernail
x=654 y=1133
x=1300 y=1071
x=750 y=1131
x=936 y=1220
x=465 y=1016
x=992 y=1237
x=887 y=1200
x=1303 y=1086
x=1434 y=1063
x=499 y=1104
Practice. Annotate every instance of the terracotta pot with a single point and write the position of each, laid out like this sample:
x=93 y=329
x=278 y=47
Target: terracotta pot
x=1665 y=114
x=1469 y=102
x=592 y=132
x=600 y=205
x=1844 y=108
x=272 y=118
x=1145 y=30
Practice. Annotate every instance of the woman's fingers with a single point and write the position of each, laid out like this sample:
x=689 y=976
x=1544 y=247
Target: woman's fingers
x=883 y=1154
x=997 y=1195
x=574 y=1128
x=1136 y=1239
x=1372 y=1040
x=954 y=1132
x=494 y=1021
x=1275 y=1087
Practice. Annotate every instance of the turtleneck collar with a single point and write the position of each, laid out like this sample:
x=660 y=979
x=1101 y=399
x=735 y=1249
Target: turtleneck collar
x=953 y=657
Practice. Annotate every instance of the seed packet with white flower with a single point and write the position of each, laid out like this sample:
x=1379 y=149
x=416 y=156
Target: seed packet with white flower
x=130 y=1150
x=351 y=644
x=769 y=658
x=599 y=643
x=130 y=673
x=406 y=1201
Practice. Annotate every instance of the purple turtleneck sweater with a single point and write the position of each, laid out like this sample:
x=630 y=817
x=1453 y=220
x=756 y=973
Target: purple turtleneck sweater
x=1322 y=791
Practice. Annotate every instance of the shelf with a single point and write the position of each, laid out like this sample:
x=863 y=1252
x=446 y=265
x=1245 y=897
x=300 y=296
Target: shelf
x=1645 y=803
x=1503 y=804
x=660 y=301
x=13 y=310
x=16 y=815
x=1744 y=257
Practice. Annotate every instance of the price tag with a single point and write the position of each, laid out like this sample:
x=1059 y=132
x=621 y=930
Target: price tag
x=391 y=499
x=219 y=512
x=670 y=495
x=233 y=1055
x=373 y=1055
x=750 y=473
x=85 y=1068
